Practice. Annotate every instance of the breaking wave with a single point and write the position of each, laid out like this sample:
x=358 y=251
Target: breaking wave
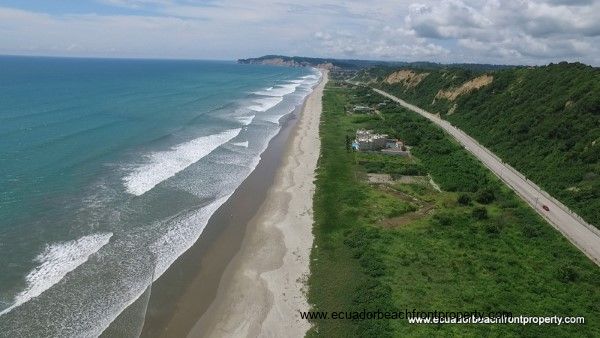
x=165 y=164
x=56 y=261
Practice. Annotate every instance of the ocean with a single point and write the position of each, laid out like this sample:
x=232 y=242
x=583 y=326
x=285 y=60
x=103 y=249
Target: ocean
x=110 y=170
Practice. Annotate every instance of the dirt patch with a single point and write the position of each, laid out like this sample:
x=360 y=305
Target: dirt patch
x=411 y=179
x=380 y=178
x=408 y=78
x=433 y=184
x=396 y=222
x=465 y=88
x=452 y=109
x=425 y=208
x=405 y=179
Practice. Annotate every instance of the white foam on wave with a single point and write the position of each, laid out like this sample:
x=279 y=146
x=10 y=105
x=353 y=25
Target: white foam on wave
x=184 y=231
x=266 y=103
x=56 y=261
x=306 y=82
x=245 y=120
x=272 y=118
x=165 y=164
x=182 y=234
x=241 y=144
x=280 y=90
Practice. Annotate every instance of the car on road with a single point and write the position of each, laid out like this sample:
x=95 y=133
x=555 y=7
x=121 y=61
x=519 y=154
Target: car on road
x=545 y=207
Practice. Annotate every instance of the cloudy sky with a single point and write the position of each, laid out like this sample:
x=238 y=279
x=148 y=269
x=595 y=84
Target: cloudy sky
x=491 y=31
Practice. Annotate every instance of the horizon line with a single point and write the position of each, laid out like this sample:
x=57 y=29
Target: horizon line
x=151 y=58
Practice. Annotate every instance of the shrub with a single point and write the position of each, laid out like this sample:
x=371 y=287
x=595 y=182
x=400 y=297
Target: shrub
x=567 y=274
x=372 y=264
x=480 y=213
x=493 y=228
x=464 y=199
x=486 y=196
x=442 y=219
x=531 y=231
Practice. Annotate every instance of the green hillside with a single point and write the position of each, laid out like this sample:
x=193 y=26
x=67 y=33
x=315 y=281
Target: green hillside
x=545 y=121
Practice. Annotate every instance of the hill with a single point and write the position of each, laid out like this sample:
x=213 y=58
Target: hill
x=544 y=121
x=352 y=64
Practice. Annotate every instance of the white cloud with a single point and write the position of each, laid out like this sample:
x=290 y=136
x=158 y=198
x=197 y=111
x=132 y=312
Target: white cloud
x=513 y=31
x=136 y=3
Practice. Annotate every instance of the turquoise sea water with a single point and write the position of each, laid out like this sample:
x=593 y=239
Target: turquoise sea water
x=110 y=169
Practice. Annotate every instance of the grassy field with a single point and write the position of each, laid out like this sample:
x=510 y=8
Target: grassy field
x=405 y=245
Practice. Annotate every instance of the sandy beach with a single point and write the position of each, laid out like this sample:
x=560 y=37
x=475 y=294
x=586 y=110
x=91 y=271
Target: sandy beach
x=263 y=288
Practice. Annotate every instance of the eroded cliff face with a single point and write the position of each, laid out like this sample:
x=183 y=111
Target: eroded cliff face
x=465 y=88
x=408 y=78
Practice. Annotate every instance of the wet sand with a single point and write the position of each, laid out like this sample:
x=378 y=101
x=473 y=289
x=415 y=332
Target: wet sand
x=263 y=288
x=190 y=286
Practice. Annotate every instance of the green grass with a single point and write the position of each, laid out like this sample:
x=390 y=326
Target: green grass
x=544 y=121
x=449 y=258
x=393 y=165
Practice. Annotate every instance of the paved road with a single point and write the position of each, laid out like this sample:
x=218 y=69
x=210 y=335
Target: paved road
x=583 y=235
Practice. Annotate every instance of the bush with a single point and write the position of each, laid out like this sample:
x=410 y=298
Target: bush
x=480 y=213
x=372 y=295
x=567 y=274
x=442 y=219
x=372 y=264
x=531 y=231
x=493 y=228
x=464 y=199
x=486 y=196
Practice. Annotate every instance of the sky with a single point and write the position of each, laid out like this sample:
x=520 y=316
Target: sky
x=447 y=31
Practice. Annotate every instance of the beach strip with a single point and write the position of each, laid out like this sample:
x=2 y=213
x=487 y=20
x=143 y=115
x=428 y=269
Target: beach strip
x=262 y=290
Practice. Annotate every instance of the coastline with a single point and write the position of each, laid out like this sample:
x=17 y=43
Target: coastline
x=118 y=289
x=263 y=288
x=185 y=291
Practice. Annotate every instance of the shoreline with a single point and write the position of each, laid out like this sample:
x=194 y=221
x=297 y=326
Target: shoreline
x=173 y=304
x=263 y=288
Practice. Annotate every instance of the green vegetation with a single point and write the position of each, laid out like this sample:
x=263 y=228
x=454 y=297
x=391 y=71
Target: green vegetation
x=544 y=121
x=464 y=199
x=404 y=245
x=352 y=64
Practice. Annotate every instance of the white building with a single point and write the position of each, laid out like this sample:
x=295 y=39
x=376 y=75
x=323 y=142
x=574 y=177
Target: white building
x=367 y=140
